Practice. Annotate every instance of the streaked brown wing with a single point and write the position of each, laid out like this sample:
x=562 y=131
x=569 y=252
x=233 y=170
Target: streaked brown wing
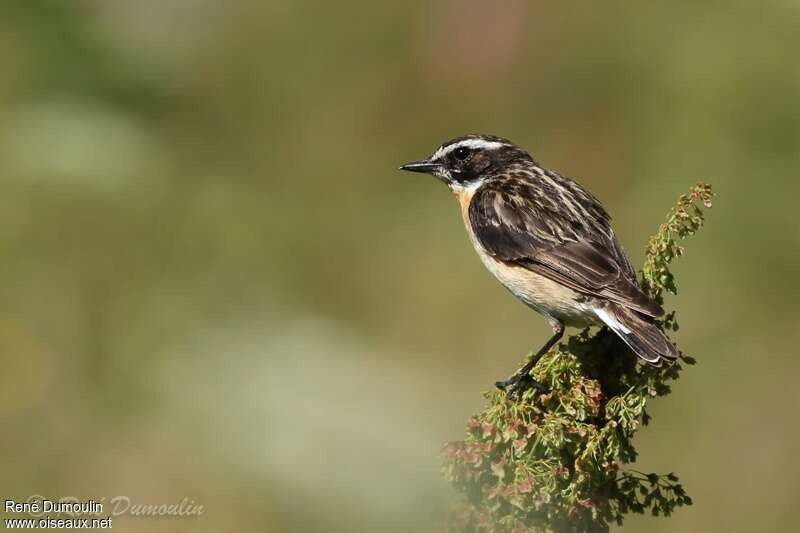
x=517 y=224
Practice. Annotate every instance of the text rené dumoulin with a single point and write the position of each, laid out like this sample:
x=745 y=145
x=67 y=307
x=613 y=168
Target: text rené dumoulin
x=37 y=506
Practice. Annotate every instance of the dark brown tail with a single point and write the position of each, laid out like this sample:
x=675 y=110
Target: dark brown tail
x=642 y=336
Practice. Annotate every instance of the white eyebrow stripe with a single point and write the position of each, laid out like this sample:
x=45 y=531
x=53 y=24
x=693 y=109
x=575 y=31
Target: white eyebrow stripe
x=475 y=144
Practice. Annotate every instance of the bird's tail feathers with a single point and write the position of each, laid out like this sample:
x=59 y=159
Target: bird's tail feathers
x=641 y=335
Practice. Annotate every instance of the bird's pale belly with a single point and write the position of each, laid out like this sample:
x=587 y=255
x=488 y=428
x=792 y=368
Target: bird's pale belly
x=545 y=296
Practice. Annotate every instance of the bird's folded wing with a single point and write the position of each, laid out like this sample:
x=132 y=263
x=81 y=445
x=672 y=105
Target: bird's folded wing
x=556 y=242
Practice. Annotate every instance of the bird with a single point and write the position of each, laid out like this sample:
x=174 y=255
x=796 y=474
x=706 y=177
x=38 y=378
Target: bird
x=549 y=241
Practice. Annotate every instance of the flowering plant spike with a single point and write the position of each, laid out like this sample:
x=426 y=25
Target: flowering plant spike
x=558 y=460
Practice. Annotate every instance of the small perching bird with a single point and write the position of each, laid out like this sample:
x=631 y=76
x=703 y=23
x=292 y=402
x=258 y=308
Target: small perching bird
x=550 y=242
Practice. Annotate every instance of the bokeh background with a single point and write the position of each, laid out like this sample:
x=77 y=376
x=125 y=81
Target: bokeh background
x=216 y=285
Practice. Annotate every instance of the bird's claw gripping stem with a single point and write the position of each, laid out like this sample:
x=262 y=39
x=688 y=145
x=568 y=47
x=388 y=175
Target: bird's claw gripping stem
x=518 y=383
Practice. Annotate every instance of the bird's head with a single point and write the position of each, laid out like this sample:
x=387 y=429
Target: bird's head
x=466 y=161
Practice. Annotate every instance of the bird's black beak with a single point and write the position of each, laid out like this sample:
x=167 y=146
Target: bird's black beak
x=424 y=166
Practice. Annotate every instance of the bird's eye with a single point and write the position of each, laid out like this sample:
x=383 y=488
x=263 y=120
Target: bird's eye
x=461 y=153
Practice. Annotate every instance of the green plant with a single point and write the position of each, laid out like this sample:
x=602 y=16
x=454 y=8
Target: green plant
x=555 y=461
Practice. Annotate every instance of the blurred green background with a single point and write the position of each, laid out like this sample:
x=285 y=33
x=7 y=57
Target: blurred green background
x=216 y=285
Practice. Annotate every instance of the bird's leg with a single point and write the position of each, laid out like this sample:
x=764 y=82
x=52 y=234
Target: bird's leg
x=523 y=377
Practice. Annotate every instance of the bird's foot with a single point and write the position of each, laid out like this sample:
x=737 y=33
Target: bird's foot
x=518 y=384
